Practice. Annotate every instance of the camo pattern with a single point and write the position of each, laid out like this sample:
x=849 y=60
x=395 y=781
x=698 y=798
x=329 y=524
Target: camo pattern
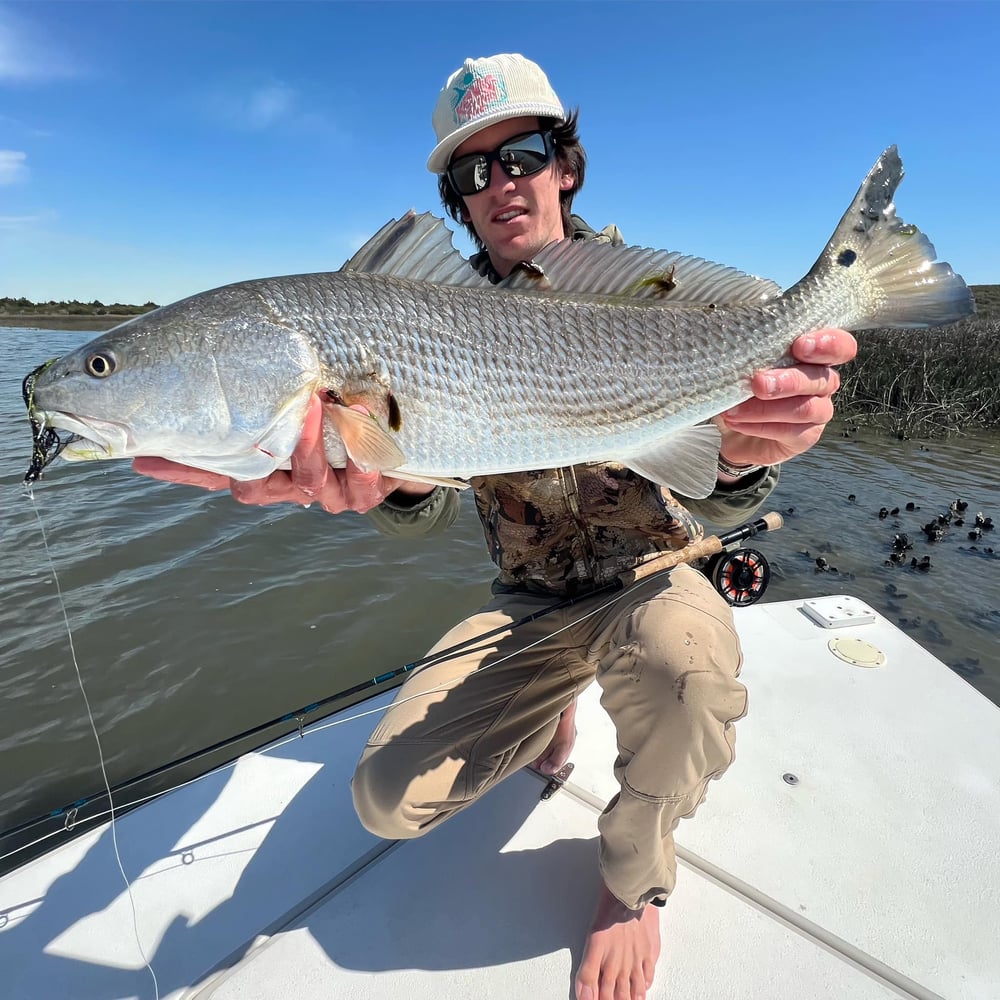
x=566 y=531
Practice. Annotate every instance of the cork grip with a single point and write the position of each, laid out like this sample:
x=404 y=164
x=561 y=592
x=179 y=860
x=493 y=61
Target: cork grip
x=698 y=550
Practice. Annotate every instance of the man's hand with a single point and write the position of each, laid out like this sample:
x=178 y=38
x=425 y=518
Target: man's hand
x=311 y=480
x=791 y=406
x=561 y=745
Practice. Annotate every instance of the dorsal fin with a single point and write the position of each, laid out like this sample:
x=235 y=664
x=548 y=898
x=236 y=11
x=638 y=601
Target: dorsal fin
x=587 y=267
x=417 y=248
x=420 y=248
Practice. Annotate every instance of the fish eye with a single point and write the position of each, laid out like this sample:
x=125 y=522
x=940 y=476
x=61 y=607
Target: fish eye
x=101 y=364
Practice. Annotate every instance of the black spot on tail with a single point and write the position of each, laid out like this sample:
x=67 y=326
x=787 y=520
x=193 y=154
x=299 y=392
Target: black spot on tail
x=846 y=258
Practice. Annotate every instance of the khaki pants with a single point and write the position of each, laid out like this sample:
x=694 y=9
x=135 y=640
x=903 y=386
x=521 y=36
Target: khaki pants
x=666 y=657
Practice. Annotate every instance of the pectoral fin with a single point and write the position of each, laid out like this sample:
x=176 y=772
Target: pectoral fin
x=372 y=450
x=368 y=445
x=686 y=462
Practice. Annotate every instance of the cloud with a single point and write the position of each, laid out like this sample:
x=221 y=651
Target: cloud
x=270 y=105
x=37 y=224
x=264 y=107
x=275 y=106
x=19 y=221
x=19 y=126
x=29 y=55
x=13 y=166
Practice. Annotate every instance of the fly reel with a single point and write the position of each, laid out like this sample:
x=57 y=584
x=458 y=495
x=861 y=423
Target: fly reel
x=740 y=576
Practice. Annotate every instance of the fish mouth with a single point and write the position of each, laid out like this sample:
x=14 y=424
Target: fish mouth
x=55 y=434
x=83 y=439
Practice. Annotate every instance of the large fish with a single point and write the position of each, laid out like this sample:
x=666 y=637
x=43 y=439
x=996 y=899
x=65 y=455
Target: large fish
x=590 y=353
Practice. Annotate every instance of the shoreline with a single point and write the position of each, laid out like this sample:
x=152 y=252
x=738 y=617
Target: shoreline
x=61 y=321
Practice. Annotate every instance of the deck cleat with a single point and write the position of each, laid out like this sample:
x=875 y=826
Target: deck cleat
x=556 y=781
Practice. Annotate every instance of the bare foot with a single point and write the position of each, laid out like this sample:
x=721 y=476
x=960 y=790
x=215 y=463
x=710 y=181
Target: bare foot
x=561 y=746
x=620 y=955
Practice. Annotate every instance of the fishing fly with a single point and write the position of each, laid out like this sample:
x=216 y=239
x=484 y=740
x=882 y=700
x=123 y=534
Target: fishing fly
x=46 y=444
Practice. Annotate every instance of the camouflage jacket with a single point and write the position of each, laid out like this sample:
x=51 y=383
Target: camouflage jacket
x=565 y=531
x=568 y=530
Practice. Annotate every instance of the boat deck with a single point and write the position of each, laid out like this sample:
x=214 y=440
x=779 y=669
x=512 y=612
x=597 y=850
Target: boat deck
x=850 y=852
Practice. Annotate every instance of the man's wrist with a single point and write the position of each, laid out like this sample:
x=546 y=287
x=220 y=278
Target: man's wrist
x=729 y=473
x=410 y=494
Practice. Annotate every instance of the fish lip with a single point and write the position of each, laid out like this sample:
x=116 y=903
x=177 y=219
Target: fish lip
x=107 y=437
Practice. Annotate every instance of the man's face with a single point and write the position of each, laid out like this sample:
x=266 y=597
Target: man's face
x=515 y=216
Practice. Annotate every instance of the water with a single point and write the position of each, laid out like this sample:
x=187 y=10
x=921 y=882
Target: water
x=195 y=618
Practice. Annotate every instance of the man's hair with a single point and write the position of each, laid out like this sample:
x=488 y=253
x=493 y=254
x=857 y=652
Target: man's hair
x=570 y=155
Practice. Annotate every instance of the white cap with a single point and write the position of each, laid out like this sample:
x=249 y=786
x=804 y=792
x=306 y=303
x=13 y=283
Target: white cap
x=486 y=91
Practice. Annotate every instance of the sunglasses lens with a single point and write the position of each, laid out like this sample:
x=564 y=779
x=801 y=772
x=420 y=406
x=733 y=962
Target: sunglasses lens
x=470 y=174
x=524 y=156
x=519 y=157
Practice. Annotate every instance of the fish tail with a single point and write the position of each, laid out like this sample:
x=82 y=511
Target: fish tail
x=887 y=266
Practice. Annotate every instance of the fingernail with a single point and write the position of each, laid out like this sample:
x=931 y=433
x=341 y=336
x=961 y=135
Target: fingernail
x=807 y=345
x=586 y=993
x=770 y=385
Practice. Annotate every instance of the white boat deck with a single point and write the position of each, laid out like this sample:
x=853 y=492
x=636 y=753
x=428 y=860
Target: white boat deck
x=874 y=872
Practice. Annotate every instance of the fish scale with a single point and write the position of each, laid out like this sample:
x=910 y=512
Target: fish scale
x=537 y=372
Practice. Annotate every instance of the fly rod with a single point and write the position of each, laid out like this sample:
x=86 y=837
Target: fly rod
x=704 y=548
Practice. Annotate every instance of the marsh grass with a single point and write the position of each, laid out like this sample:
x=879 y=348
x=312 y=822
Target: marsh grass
x=928 y=383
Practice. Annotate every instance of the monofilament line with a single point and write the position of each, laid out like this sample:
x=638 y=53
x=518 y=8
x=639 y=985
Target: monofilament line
x=338 y=720
x=97 y=740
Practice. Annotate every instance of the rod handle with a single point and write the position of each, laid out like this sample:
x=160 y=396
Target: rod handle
x=773 y=520
x=698 y=550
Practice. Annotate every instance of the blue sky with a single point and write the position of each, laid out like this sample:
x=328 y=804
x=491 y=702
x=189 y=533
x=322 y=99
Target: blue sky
x=152 y=150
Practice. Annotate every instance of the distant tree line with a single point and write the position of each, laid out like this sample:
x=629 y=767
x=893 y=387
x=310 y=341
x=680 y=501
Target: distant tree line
x=25 y=307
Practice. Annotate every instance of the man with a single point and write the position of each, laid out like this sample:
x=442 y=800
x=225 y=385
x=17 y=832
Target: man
x=665 y=653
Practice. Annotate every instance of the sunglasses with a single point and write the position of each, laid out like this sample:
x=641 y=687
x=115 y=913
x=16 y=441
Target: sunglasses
x=520 y=156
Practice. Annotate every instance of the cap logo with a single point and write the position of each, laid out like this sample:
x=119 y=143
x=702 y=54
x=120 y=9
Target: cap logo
x=477 y=95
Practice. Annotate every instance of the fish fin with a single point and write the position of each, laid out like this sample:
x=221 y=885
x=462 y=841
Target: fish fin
x=415 y=477
x=419 y=248
x=687 y=461
x=372 y=449
x=416 y=248
x=588 y=267
x=890 y=262
x=368 y=445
